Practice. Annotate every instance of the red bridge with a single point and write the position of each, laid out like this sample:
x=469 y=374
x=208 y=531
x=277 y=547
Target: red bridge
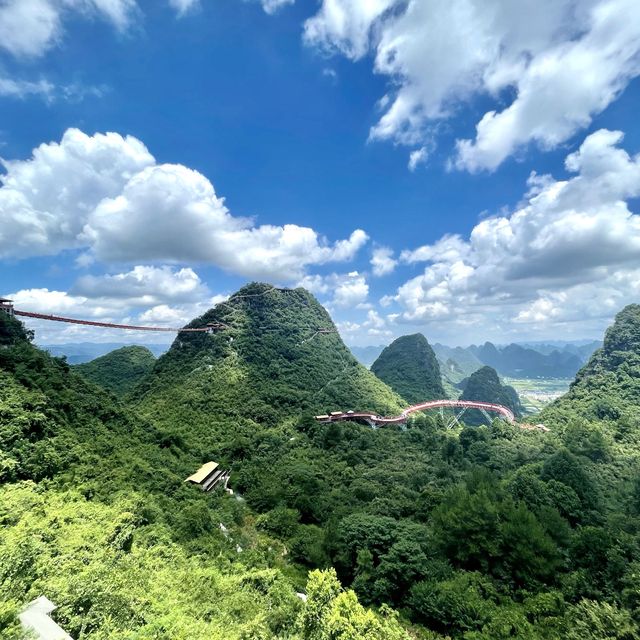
x=375 y=420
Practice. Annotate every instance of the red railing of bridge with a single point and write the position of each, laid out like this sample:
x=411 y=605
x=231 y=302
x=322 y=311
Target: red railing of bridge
x=505 y=412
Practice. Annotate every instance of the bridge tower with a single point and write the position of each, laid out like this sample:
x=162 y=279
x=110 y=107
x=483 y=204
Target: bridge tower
x=6 y=305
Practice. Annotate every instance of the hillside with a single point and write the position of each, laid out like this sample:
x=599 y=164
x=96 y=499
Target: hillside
x=271 y=362
x=95 y=514
x=608 y=386
x=120 y=370
x=471 y=532
x=484 y=385
x=81 y=352
x=409 y=366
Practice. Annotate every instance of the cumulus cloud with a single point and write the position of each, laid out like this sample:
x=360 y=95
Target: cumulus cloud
x=570 y=252
x=106 y=194
x=373 y=326
x=144 y=285
x=29 y=28
x=345 y=25
x=145 y=295
x=348 y=290
x=382 y=261
x=556 y=63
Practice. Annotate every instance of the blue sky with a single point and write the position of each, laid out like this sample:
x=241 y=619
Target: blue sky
x=303 y=119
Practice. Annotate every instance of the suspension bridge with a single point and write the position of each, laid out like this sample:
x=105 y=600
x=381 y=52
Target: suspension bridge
x=6 y=305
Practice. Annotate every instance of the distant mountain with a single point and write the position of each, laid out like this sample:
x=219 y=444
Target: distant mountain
x=120 y=370
x=279 y=356
x=608 y=386
x=80 y=352
x=410 y=367
x=367 y=355
x=517 y=361
x=583 y=349
x=459 y=363
x=484 y=385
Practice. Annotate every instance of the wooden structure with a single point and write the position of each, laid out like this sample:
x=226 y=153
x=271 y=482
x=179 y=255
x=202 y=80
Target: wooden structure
x=6 y=305
x=209 y=476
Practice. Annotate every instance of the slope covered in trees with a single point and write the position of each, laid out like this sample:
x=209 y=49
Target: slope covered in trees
x=608 y=387
x=273 y=361
x=410 y=367
x=120 y=370
x=470 y=533
x=95 y=514
x=484 y=385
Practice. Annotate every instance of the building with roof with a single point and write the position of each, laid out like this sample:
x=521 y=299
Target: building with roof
x=209 y=476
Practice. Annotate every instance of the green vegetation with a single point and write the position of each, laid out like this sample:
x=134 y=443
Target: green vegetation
x=96 y=515
x=120 y=370
x=409 y=366
x=478 y=533
x=485 y=386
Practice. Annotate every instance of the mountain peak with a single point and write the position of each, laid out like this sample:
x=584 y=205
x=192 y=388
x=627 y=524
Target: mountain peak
x=484 y=385
x=277 y=354
x=119 y=370
x=410 y=367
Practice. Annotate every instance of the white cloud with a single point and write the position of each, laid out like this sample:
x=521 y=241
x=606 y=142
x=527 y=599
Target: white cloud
x=349 y=290
x=14 y=88
x=29 y=28
x=182 y=7
x=555 y=63
x=570 y=252
x=417 y=157
x=144 y=285
x=372 y=326
x=382 y=261
x=345 y=25
x=272 y=6
x=106 y=194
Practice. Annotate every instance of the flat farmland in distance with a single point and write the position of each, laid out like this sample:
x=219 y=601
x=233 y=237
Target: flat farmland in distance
x=535 y=393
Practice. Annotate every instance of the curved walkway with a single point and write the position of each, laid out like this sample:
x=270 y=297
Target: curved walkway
x=502 y=411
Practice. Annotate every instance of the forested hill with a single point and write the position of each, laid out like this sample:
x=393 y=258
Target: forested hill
x=279 y=356
x=96 y=516
x=608 y=386
x=410 y=367
x=484 y=385
x=120 y=370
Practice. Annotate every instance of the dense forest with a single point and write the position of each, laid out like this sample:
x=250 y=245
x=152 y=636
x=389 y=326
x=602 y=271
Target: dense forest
x=120 y=370
x=477 y=532
x=484 y=385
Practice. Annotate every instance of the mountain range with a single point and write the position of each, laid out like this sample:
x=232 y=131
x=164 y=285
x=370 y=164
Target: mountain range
x=399 y=532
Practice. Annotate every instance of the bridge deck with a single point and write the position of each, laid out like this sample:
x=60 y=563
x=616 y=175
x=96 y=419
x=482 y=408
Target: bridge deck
x=371 y=417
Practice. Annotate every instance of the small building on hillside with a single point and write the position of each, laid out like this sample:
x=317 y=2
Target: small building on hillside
x=209 y=476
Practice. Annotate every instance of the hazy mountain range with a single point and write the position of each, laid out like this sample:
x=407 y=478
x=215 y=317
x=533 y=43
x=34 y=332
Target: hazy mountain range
x=516 y=360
